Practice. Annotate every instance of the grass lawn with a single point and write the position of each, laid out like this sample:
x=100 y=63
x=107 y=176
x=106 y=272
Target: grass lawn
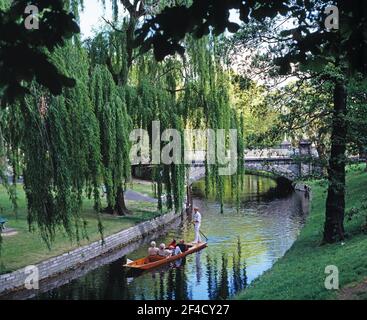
x=300 y=274
x=27 y=248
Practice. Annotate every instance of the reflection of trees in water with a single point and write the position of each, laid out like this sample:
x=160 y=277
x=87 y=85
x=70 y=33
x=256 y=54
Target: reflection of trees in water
x=239 y=279
x=116 y=282
x=181 y=292
x=219 y=287
x=108 y=282
x=161 y=286
x=209 y=276
x=225 y=274
x=169 y=283
x=223 y=291
x=156 y=290
x=251 y=188
x=198 y=266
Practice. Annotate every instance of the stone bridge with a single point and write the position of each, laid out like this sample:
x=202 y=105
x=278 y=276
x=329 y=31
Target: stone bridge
x=284 y=161
x=279 y=161
x=286 y=168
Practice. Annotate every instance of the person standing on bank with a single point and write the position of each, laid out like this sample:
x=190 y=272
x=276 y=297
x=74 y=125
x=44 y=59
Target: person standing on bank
x=196 y=219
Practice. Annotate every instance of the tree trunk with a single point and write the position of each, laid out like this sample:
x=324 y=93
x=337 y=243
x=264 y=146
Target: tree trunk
x=363 y=155
x=322 y=152
x=120 y=206
x=335 y=202
x=109 y=209
x=189 y=202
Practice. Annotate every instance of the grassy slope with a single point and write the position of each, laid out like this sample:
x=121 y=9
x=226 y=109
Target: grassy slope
x=27 y=248
x=300 y=274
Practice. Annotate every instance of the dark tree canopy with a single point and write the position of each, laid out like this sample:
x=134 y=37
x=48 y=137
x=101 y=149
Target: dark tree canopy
x=313 y=46
x=165 y=31
x=23 y=52
x=307 y=41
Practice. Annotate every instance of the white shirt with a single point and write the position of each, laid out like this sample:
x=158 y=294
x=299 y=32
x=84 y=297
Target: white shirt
x=197 y=217
x=152 y=251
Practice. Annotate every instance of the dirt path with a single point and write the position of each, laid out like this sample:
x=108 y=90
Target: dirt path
x=357 y=291
x=136 y=196
x=141 y=181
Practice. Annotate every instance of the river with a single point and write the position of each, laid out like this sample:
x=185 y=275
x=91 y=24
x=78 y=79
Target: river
x=243 y=242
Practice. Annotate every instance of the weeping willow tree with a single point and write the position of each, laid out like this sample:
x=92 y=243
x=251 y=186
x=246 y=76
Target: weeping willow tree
x=187 y=92
x=207 y=104
x=155 y=99
x=114 y=128
x=54 y=143
x=193 y=92
x=147 y=95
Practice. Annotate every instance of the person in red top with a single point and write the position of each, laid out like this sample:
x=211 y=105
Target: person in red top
x=173 y=244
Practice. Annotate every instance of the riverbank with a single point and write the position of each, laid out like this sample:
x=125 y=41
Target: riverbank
x=26 y=248
x=300 y=274
x=78 y=257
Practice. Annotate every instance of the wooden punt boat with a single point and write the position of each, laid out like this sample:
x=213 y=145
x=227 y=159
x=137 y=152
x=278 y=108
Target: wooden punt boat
x=148 y=263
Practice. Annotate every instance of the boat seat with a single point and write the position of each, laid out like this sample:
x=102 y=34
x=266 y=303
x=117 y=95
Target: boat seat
x=154 y=258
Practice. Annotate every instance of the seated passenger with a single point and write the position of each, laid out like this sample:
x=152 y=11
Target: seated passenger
x=183 y=247
x=176 y=251
x=153 y=250
x=172 y=245
x=163 y=252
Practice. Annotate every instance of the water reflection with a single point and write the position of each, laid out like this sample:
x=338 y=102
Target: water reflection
x=252 y=188
x=207 y=275
x=198 y=266
x=243 y=243
x=229 y=281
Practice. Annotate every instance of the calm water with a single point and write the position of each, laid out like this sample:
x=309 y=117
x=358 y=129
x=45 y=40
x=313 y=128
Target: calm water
x=243 y=244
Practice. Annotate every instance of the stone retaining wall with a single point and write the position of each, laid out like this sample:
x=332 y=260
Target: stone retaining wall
x=74 y=258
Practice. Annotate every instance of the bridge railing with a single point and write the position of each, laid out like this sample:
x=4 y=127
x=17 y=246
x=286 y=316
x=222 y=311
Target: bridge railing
x=273 y=153
x=199 y=156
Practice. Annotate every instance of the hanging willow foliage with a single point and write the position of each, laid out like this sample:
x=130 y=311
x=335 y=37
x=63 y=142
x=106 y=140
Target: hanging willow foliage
x=5 y=4
x=156 y=100
x=209 y=91
x=54 y=143
x=177 y=93
x=61 y=151
x=114 y=128
x=11 y=135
